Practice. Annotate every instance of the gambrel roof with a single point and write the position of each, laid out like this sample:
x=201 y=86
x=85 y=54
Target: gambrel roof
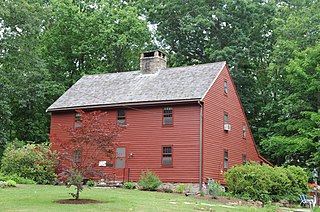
x=189 y=83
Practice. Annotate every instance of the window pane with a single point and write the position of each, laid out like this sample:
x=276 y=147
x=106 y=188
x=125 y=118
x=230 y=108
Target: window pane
x=225 y=165
x=226 y=119
x=167 y=150
x=121 y=122
x=121 y=112
x=166 y=160
x=225 y=85
x=167 y=120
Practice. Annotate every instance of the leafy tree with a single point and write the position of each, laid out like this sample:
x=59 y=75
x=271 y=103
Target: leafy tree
x=23 y=71
x=294 y=138
x=93 y=138
x=88 y=37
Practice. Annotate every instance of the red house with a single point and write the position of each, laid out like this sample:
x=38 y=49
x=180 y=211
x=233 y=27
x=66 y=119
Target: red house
x=184 y=123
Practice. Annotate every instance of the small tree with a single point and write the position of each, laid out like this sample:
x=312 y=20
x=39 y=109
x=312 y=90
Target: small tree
x=92 y=136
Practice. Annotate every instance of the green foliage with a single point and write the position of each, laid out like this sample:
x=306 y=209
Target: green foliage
x=16 y=178
x=30 y=162
x=181 y=188
x=11 y=183
x=149 y=180
x=129 y=185
x=91 y=183
x=214 y=189
x=265 y=183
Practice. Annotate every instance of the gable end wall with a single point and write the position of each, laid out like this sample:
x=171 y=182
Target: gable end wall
x=215 y=139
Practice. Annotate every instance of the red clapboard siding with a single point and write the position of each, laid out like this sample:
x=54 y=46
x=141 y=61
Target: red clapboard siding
x=215 y=139
x=145 y=135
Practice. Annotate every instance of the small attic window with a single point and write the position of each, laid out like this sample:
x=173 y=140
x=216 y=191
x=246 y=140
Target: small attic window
x=121 y=117
x=225 y=86
x=148 y=54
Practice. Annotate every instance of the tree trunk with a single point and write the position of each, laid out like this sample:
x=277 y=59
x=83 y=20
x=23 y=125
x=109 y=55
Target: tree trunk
x=78 y=192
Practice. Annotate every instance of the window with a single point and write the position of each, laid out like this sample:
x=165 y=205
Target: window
x=225 y=159
x=121 y=117
x=244 y=131
x=77 y=120
x=167 y=116
x=225 y=118
x=225 y=86
x=76 y=156
x=244 y=159
x=167 y=156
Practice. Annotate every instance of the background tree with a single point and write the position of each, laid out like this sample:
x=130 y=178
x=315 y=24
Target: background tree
x=94 y=138
x=291 y=132
x=89 y=37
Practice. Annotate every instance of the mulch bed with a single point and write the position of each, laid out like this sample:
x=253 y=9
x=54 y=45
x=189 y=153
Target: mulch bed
x=79 y=201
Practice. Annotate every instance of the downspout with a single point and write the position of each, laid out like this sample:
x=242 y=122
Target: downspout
x=200 y=140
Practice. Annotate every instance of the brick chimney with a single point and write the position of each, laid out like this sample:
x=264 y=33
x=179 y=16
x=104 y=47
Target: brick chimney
x=151 y=62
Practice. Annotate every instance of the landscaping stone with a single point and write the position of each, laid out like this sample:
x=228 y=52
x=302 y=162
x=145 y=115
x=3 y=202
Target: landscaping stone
x=283 y=203
x=171 y=187
x=258 y=204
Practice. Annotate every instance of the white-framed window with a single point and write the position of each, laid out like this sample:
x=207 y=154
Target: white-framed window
x=167 y=156
x=225 y=86
x=167 y=115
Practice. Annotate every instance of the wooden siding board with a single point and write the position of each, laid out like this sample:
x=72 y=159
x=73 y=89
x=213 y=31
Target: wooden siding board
x=215 y=139
x=144 y=136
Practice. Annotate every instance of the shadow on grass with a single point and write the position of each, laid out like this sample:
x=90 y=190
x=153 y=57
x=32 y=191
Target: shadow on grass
x=79 y=201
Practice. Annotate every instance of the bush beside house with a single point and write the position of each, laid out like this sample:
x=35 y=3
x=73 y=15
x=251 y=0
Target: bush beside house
x=266 y=183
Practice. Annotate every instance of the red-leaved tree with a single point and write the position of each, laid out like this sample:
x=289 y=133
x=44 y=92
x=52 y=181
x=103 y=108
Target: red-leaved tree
x=91 y=138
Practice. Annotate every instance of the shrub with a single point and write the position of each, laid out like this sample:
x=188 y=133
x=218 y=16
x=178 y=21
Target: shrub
x=214 y=189
x=16 y=178
x=11 y=183
x=91 y=183
x=181 y=188
x=149 y=181
x=265 y=183
x=129 y=185
x=29 y=161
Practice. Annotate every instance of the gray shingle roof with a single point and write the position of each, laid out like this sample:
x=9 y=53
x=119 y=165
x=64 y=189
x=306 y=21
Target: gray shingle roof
x=170 y=84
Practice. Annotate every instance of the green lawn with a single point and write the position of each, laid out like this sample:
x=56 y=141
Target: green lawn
x=40 y=198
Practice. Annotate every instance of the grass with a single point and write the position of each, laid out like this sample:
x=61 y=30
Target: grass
x=40 y=198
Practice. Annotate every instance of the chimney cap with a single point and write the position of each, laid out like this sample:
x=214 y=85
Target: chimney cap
x=154 y=53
